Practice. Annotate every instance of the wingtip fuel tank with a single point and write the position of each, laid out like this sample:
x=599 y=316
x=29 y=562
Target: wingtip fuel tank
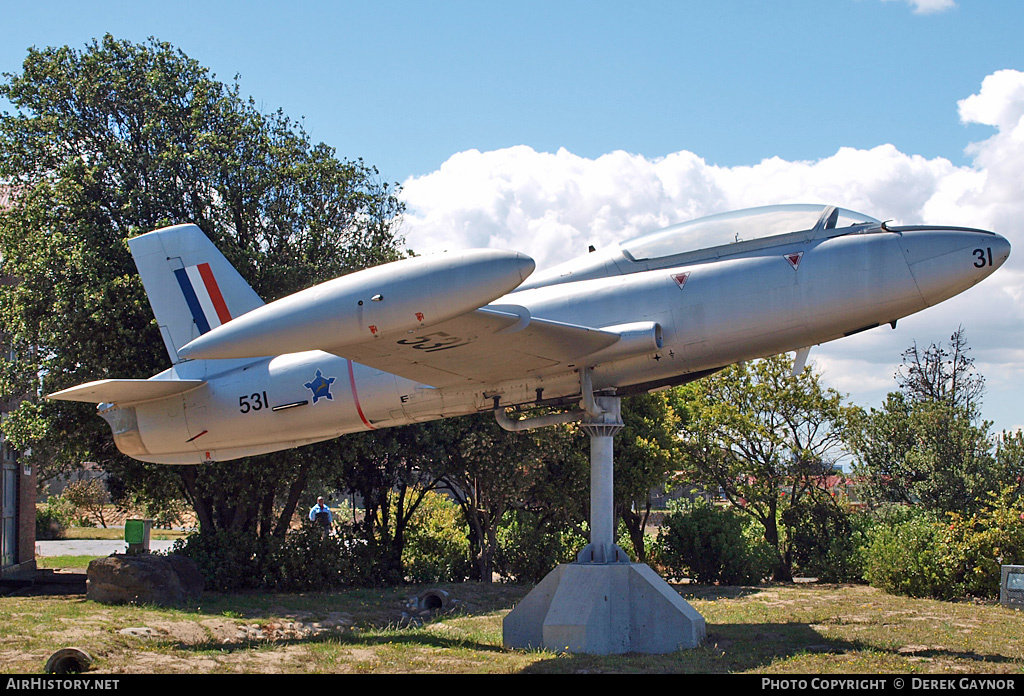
x=375 y=303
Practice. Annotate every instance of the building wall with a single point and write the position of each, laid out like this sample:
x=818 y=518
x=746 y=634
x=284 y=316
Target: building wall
x=19 y=530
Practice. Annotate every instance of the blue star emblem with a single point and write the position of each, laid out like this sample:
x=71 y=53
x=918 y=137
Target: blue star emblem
x=321 y=387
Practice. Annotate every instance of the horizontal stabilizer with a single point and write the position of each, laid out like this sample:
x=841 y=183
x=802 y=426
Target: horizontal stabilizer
x=125 y=390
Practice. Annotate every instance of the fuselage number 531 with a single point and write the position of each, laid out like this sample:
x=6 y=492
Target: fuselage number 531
x=252 y=402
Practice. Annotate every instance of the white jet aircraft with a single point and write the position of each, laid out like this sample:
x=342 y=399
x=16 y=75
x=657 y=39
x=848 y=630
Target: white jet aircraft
x=456 y=333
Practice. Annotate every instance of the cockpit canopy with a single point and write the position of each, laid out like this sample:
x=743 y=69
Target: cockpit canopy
x=714 y=237
x=737 y=226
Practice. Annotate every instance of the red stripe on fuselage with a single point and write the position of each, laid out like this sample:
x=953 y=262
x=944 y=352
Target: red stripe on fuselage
x=215 y=295
x=355 y=396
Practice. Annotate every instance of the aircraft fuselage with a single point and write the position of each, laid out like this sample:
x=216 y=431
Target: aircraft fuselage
x=712 y=308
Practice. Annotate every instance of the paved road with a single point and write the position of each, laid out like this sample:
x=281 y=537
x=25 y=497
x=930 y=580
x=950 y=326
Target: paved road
x=82 y=547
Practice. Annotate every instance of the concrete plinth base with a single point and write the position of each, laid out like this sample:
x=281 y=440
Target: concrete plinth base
x=604 y=609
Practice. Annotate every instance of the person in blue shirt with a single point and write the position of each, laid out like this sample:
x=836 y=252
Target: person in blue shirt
x=321 y=515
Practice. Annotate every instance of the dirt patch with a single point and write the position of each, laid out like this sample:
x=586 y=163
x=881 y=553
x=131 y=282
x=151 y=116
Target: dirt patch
x=184 y=632
x=232 y=632
x=24 y=661
x=162 y=663
x=224 y=631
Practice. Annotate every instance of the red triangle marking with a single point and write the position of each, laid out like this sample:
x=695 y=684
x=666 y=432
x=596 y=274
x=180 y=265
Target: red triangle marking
x=794 y=259
x=680 y=279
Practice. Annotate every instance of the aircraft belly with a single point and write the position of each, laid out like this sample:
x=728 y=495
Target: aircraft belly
x=299 y=398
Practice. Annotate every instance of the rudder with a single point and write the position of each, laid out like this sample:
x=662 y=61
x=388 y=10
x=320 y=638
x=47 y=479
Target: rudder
x=191 y=286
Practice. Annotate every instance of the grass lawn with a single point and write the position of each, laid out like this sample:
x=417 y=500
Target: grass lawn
x=70 y=562
x=770 y=629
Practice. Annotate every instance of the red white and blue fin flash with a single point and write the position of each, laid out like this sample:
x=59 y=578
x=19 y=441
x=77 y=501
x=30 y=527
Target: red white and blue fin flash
x=203 y=296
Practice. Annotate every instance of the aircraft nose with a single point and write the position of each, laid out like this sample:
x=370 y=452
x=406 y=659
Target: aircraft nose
x=945 y=261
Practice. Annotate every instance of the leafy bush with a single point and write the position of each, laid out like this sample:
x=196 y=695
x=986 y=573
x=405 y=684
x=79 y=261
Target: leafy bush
x=907 y=556
x=828 y=540
x=983 y=542
x=305 y=560
x=228 y=560
x=951 y=557
x=436 y=550
x=437 y=542
x=625 y=542
x=708 y=544
x=53 y=517
x=528 y=549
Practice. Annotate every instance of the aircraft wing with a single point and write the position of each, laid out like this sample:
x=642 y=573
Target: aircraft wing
x=125 y=390
x=428 y=319
x=485 y=346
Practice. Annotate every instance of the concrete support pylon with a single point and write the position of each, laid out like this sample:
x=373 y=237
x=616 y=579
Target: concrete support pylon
x=601 y=428
x=603 y=604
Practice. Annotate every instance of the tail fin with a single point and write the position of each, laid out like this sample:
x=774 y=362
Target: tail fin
x=191 y=286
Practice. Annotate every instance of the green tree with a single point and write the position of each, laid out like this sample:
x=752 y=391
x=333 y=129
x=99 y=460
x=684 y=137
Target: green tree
x=1009 y=460
x=117 y=139
x=491 y=473
x=392 y=470
x=928 y=444
x=646 y=452
x=437 y=545
x=762 y=436
x=706 y=543
x=827 y=539
x=90 y=498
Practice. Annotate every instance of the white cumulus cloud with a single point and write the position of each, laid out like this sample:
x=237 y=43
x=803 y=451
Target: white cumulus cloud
x=930 y=6
x=553 y=205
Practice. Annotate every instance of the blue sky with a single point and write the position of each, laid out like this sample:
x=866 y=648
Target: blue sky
x=548 y=126
x=406 y=84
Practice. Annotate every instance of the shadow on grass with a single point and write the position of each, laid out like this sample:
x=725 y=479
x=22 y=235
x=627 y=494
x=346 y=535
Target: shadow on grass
x=727 y=649
x=739 y=648
x=716 y=592
x=416 y=638
x=734 y=647
x=372 y=607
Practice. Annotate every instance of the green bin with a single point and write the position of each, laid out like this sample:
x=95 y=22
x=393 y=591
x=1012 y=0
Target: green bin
x=136 y=535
